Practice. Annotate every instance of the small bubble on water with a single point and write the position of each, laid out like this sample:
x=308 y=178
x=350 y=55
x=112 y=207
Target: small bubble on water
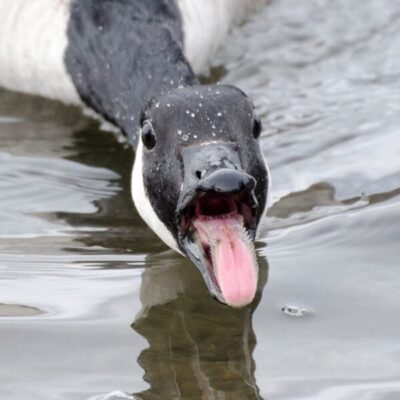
x=187 y=112
x=195 y=136
x=192 y=115
x=219 y=114
x=168 y=105
x=179 y=132
x=185 y=138
x=295 y=311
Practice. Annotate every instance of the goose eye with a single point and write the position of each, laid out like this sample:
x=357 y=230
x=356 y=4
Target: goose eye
x=257 y=127
x=148 y=136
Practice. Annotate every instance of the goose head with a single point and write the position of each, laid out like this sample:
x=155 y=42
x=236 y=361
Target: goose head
x=200 y=182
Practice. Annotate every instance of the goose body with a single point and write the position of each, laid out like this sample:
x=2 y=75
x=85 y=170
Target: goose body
x=33 y=41
x=200 y=180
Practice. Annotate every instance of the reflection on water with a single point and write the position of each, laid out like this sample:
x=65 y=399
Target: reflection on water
x=198 y=348
x=18 y=310
x=77 y=264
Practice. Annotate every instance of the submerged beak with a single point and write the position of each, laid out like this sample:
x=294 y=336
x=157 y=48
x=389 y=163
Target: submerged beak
x=216 y=216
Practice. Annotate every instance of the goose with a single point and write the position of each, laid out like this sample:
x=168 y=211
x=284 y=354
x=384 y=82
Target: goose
x=199 y=179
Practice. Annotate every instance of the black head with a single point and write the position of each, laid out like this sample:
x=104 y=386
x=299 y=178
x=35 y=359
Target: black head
x=200 y=181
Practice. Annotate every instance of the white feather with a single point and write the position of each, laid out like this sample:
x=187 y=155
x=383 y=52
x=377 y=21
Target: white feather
x=269 y=181
x=33 y=40
x=143 y=205
x=206 y=24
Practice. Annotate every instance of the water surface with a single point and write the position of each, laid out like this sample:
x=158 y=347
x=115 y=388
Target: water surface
x=94 y=306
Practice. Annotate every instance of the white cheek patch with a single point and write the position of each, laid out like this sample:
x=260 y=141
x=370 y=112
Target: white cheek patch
x=143 y=205
x=269 y=182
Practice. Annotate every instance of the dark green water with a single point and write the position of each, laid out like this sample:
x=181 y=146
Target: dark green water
x=92 y=305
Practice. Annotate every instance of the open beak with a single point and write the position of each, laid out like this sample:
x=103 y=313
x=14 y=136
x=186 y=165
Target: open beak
x=217 y=221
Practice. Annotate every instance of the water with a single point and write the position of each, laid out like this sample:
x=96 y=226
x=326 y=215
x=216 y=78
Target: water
x=93 y=306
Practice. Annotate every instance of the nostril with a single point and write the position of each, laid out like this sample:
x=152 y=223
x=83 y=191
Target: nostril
x=198 y=174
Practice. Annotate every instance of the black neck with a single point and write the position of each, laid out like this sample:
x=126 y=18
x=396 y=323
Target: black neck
x=122 y=53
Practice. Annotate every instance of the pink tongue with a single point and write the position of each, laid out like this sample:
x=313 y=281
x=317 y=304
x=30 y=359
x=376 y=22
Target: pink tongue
x=233 y=257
